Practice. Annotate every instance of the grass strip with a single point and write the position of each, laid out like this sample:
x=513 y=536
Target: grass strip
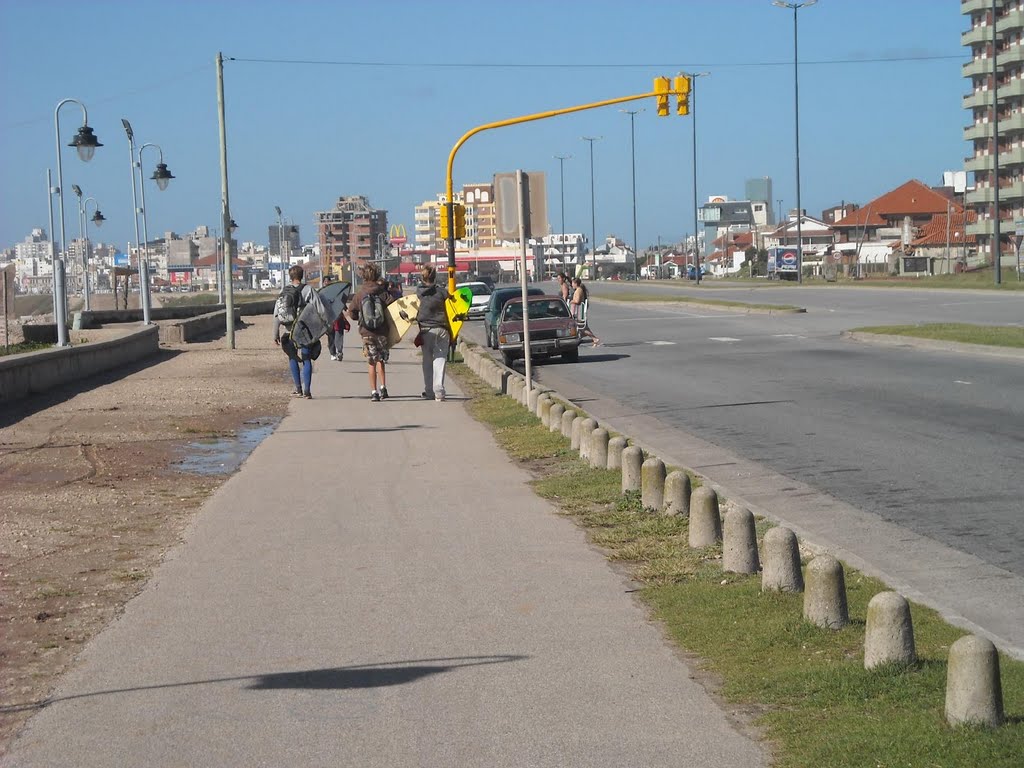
x=632 y=297
x=989 y=335
x=24 y=346
x=806 y=688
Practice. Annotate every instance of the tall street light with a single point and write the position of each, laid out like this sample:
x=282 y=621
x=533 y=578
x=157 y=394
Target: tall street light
x=593 y=227
x=85 y=142
x=696 y=239
x=796 y=107
x=83 y=234
x=561 y=184
x=632 y=144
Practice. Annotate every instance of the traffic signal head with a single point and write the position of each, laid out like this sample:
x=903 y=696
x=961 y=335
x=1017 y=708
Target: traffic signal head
x=443 y=211
x=682 y=89
x=661 y=89
x=460 y=221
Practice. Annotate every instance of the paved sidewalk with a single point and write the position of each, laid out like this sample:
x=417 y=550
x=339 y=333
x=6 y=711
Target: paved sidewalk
x=410 y=602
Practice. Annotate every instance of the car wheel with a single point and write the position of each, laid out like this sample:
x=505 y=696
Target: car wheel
x=487 y=336
x=571 y=355
x=509 y=358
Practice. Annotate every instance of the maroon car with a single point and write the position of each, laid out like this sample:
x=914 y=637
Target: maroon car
x=553 y=330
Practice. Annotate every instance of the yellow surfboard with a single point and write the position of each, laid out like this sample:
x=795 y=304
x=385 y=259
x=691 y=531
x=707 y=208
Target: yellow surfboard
x=401 y=315
x=457 y=307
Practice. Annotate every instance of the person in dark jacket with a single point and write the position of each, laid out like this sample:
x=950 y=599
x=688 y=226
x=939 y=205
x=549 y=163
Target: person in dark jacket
x=375 y=342
x=434 y=335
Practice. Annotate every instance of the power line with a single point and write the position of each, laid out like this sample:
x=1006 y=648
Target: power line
x=651 y=65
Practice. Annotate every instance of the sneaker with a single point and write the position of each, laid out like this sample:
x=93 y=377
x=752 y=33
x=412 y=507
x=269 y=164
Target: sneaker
x=427 y=395
x=297 y=393
x=383 y=393
x=308 y=396
x=340 y=358
x=334 y=357
x=439 y=398
x=375 y=396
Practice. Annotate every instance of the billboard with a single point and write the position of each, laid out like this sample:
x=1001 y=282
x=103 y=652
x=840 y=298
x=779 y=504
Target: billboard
x=506 y=205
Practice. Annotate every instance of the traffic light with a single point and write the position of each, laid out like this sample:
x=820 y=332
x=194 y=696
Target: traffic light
x=460 y=221
x=682 y=90
x=661 y=88
x=443 y=210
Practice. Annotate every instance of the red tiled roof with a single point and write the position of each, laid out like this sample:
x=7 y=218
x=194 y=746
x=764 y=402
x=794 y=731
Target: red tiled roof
x=934 y=232
x=910 y=199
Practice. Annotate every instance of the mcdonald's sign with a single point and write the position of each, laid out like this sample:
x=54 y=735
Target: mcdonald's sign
x=397 y=234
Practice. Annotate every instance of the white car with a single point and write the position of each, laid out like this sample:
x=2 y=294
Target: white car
x=481 y=295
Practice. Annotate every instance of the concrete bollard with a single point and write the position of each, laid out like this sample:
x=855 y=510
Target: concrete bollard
x=615 y=448
x=513 y=388
x=825 y=598
x=739 y=542
x=781 y=562
x=598 y=453
x=555 y=417
x=567 y=421
x=586 y=430
x=677 y=493
x=974 y=693
x=504 y=377
x=531 y=402
x=889 y=632
x=652 y=484
x=574 y=440
x=705 y=522
x=544 y=403
x=632 y=461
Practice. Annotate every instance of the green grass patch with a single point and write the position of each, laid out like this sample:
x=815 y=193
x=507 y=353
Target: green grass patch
x=806 y=687
x=990 y=335
x=631 y=297
x=25 y=346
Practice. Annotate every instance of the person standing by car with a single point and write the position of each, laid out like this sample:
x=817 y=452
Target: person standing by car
x=434 y=335
x=563 y=286
x=367 y=308
x=579 y=306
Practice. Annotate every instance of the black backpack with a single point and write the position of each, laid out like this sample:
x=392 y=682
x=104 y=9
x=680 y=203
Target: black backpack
x=288 y=304
x=371 y=312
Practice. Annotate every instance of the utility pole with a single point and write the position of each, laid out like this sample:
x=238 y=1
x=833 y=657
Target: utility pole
x=225 y=208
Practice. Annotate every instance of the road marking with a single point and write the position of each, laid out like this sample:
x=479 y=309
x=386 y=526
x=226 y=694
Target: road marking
x=957 y=381
x=722 y=338
x=786 y=336
x=660 y=343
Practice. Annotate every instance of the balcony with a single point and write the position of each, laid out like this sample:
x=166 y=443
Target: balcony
x=978 y=99
x=984 y=227
x=977 y=67
x=1013 y=20
x=971 y=6
x=1012 y=55
x=976 y=35
x=1013 y=156
x=980 y=196
x=1008 y=125
x=979 y=163
x=1012 y=89
x=980 y=131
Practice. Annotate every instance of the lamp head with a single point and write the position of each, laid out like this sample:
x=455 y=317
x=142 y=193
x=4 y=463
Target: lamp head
x=85 y=142
x=233 y=225
x=277 y=209
x=98 y=218
x=128 y=129
x=76 y=189
x=162 y=176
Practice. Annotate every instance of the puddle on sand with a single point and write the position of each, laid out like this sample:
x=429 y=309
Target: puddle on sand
x=223 y=455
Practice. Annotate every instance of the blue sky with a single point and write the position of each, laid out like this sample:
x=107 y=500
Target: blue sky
x=383 y=118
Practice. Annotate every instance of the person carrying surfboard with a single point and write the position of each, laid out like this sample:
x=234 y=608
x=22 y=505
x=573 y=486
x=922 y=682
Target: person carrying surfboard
x=368 y=309
x=434 y=336
x=289 y=304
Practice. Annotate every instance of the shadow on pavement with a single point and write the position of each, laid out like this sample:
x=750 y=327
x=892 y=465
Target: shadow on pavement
x=333 y=678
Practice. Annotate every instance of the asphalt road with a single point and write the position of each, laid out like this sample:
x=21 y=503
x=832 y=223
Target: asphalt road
x=931 y=441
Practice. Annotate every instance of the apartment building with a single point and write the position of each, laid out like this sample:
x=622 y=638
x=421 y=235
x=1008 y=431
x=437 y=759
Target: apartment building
x=1006 y=28
x=352 y=232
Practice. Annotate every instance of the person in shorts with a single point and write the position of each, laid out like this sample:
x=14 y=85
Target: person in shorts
x=375 y=341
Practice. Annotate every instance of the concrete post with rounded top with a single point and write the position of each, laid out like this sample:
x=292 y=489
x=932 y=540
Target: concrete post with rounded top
x=632 y=461
x=568 y=418
x=825 y=598
x=889 y=632
x=705 y=520
x=616 y=446
x=739 y=542
x=555 y=417
x=532 y=399
x=544 y=403
x=513 y=388
x=652 y=484
x=574 y=440
x=598 y=451
x=503 y=378
x=586 y=431
x=781 y=562
x=974 y=693
x=677 y=493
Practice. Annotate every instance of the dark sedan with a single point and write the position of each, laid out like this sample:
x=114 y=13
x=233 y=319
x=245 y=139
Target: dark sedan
x=553 y=330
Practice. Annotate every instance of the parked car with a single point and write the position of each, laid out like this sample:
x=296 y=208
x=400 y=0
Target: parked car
x=496 y=302
x=553 y=330
x=481 y=295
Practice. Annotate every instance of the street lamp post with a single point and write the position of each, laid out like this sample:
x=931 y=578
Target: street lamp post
x=593 y=227
x=85 y=142
x=632 y=144
x=280 y=244
x=561 y=188
x=83 y=235
x=696 y=239
x=796 y=111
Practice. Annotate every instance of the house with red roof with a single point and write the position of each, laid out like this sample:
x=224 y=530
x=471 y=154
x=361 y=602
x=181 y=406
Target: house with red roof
x=912 y=199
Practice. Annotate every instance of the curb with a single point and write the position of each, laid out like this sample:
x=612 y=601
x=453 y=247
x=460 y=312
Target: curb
x=887 y=340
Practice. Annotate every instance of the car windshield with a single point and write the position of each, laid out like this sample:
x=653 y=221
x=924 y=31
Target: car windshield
x=539 y=310
x=478 y=289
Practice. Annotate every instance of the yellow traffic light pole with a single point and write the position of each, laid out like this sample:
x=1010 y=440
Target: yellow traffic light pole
x=662 y=90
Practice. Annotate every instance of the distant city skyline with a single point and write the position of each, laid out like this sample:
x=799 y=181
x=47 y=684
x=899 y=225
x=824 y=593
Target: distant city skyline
x=380 y=113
